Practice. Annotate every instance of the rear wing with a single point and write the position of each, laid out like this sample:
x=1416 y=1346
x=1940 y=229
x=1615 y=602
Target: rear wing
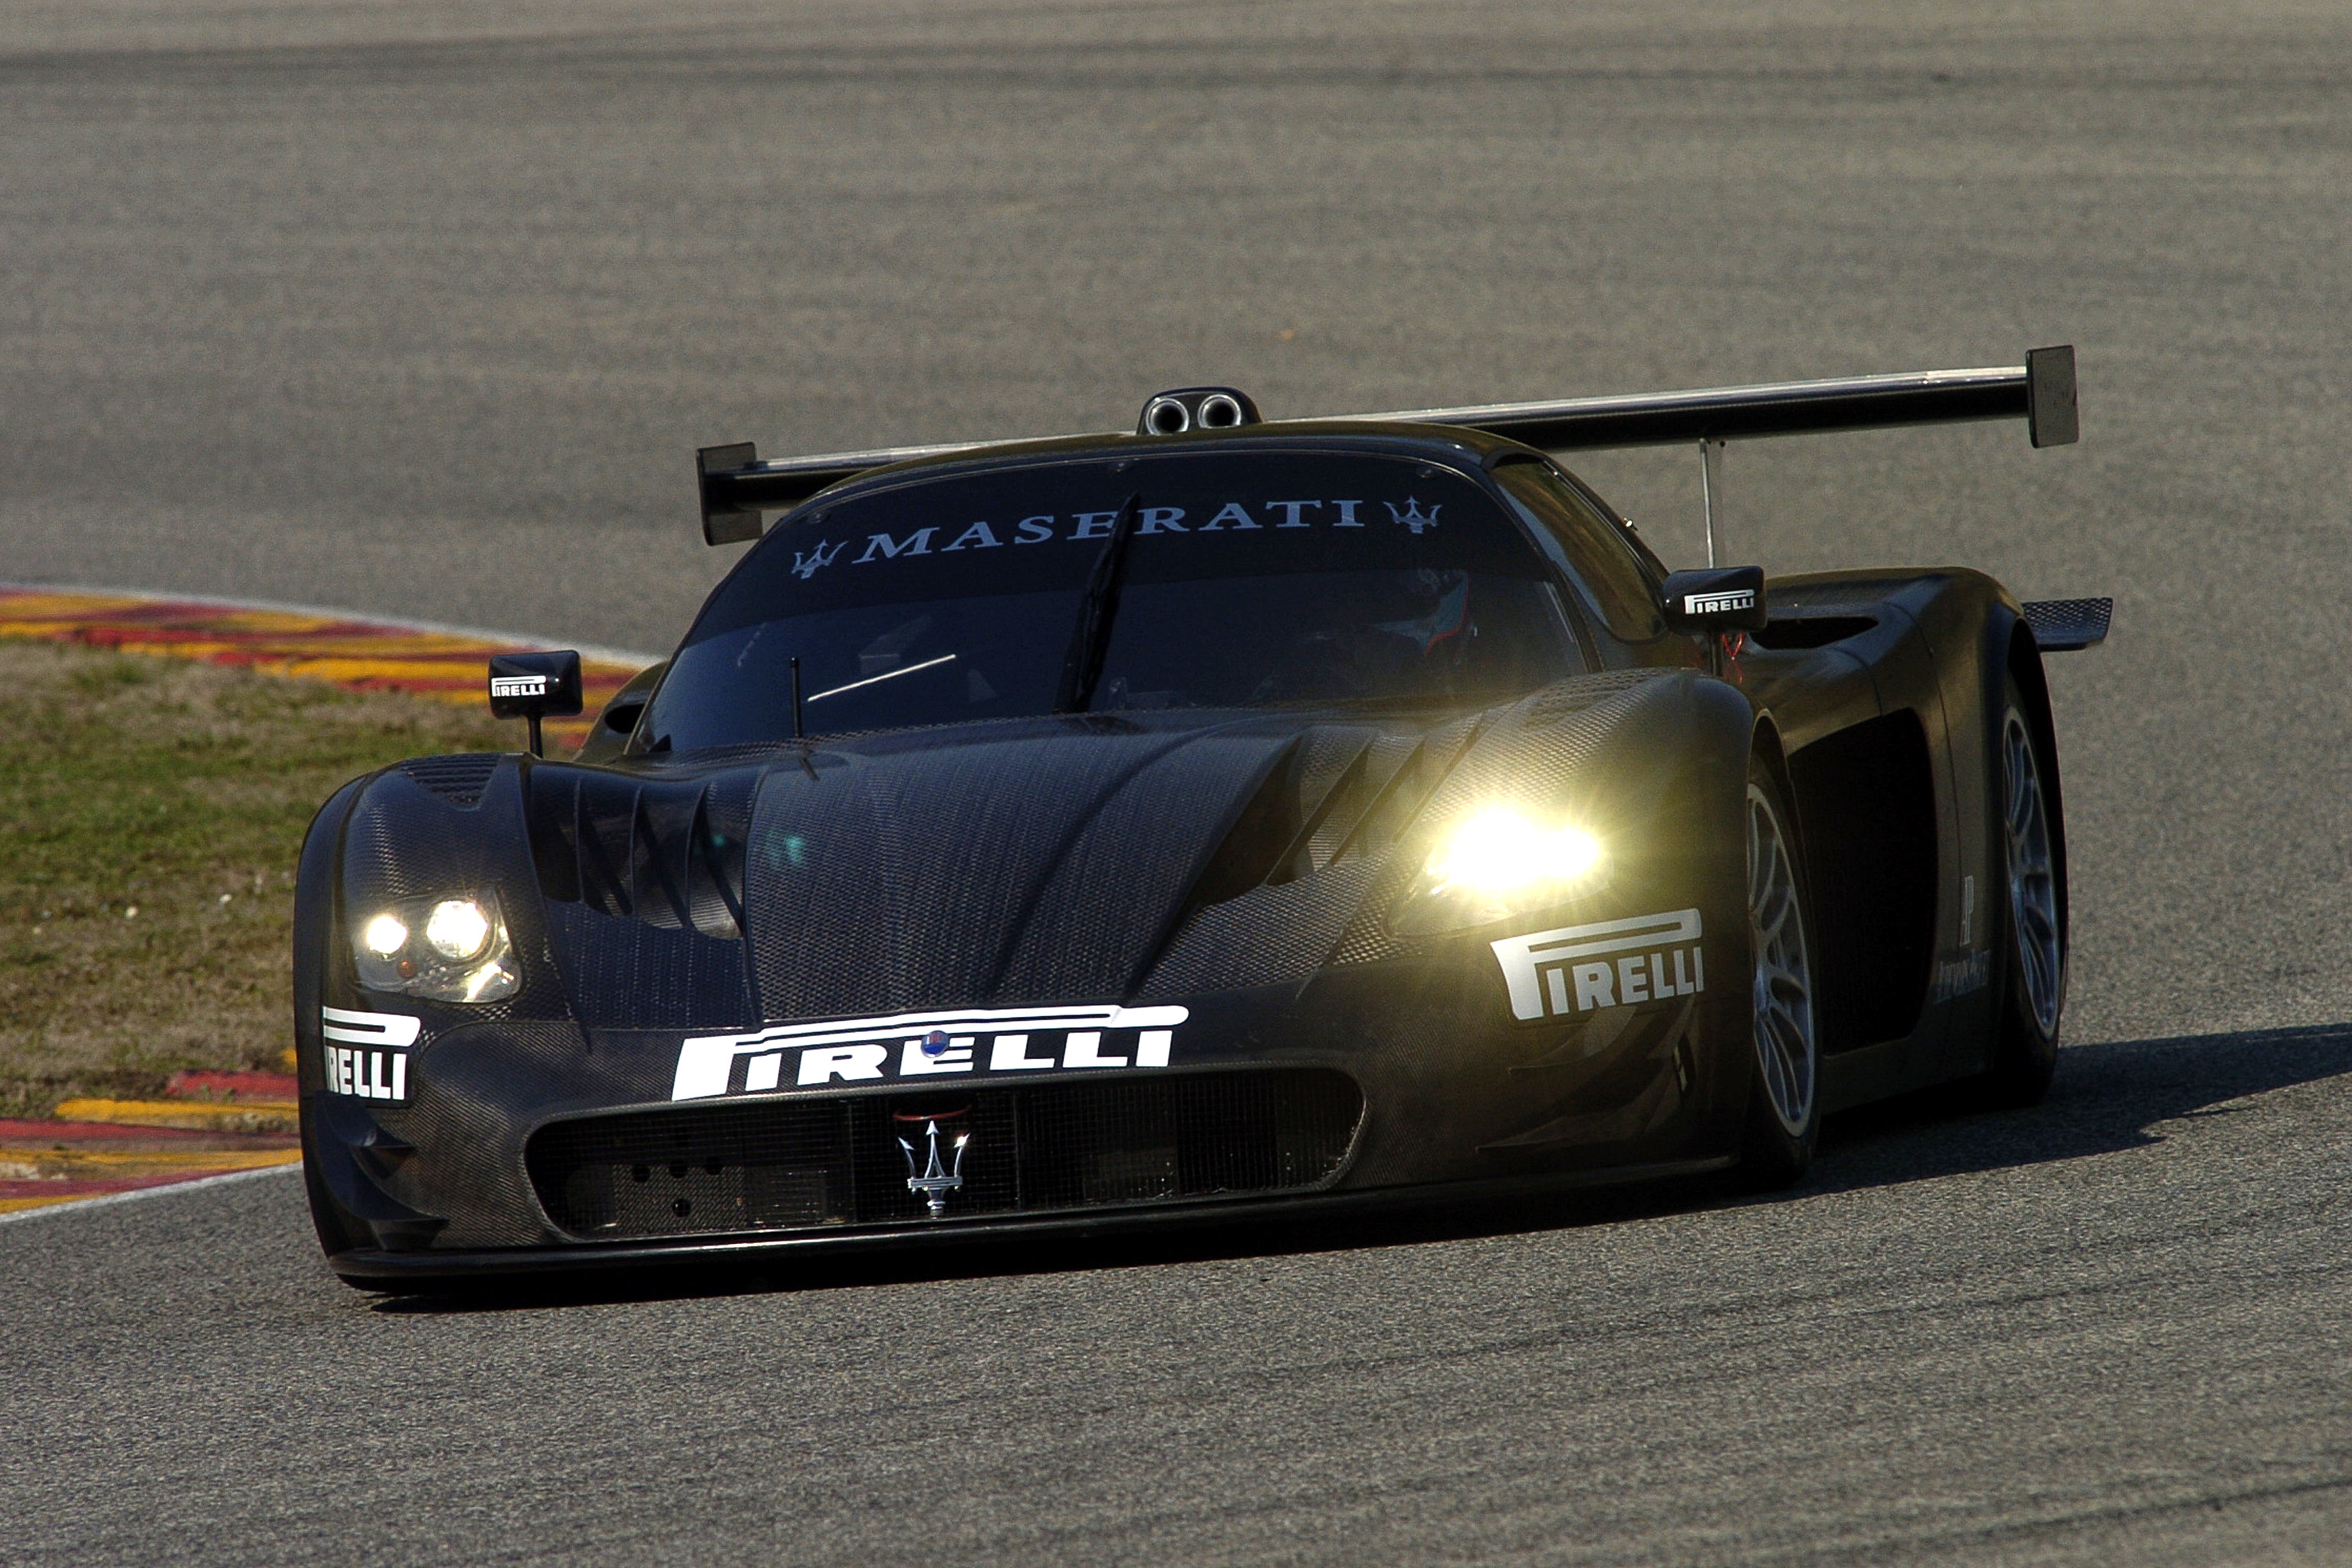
x=736 y=485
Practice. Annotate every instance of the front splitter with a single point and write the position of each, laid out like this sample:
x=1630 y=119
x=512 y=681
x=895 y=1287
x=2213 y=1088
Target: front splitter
x=377 y=1269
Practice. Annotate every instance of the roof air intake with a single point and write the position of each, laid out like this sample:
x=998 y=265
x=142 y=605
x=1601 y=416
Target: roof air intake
x=1197 y=408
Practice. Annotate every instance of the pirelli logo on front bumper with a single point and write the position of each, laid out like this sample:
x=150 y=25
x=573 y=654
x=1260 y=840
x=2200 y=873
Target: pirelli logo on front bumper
x=923 y=1046
x=1608 y=964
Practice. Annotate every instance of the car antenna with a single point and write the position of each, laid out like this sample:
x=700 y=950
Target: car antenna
x=1090 y=639
x=800 y=734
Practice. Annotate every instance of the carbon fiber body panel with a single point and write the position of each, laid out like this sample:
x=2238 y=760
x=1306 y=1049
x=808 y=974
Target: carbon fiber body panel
x=1205 y=867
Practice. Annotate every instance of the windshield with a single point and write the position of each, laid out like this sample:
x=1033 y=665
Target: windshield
x=1246 y=580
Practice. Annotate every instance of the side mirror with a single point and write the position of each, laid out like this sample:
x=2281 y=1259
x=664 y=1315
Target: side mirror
x=1720 y=598
x=534 y=685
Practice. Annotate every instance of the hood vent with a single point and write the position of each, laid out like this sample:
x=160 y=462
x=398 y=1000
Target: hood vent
x=459 y=779
x=1338 y=794
x=668 y=854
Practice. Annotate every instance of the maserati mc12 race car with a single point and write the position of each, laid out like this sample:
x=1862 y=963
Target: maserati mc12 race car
x=1225 y=818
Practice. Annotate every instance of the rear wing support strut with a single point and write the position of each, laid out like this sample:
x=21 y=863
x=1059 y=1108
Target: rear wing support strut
x=1710 y=479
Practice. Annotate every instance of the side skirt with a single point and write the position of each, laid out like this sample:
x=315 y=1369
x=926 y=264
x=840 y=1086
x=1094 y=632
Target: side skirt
x=1894 y=1067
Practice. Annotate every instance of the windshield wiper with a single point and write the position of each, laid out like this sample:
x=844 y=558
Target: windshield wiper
x=1090 y=639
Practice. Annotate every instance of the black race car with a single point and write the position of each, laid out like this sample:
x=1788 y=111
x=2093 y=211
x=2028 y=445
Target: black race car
x=1228 y=818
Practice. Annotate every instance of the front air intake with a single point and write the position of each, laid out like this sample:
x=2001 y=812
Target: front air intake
x=1031 y=1149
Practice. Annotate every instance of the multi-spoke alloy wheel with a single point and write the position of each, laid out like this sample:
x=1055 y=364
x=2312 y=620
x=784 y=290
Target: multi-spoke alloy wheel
x=1786 y=1051
x=2033 y=876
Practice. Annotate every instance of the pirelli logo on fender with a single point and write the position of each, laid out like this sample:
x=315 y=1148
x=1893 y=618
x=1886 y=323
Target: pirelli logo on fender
x=917 y=1047
x=366 y=1054
x=1608 y=964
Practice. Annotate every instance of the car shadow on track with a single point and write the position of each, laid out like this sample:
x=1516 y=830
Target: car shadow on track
x=2106 y=1098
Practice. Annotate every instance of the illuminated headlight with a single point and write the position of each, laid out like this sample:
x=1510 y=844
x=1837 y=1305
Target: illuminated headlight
x=443 y=949
x=1496 y=863
x=457 y=929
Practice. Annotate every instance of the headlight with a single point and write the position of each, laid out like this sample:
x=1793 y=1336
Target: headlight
x=443 y=949
x=457 y=929
x=1496 y=863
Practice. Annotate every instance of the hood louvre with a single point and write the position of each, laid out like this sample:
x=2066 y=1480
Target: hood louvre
x=642 y=879
x=1262 y=836
x=641 y=849
x=458 y=779
x=1420 y=767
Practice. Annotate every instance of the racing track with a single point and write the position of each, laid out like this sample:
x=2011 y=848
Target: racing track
x=419 y=309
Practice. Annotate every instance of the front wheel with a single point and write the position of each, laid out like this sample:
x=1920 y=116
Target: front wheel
x=1784 y=1107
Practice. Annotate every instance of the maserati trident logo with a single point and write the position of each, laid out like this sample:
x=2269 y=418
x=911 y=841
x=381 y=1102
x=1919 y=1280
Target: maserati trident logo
x=806 y=563
x=1412 y=516
x=929 y=1177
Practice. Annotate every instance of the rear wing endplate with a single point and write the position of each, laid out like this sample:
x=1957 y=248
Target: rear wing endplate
x=2063 y=625
x=736 y=485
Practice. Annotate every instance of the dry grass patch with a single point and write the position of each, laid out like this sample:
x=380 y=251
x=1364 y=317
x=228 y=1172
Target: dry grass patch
x=151 y=810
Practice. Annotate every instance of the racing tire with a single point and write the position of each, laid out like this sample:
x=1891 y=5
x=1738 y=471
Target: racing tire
x=2033 y=945
x=1784 y=1058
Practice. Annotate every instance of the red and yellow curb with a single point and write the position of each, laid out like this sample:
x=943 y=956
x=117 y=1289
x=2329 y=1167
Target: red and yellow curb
x=237 y=1116
x=44 y=1164
x=445 y=663
x=218 y=1126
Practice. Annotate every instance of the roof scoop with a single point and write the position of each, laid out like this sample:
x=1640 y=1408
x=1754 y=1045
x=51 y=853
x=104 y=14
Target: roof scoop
x=1197 y=408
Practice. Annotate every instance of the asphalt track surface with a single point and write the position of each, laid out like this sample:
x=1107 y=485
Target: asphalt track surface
x=419 y=310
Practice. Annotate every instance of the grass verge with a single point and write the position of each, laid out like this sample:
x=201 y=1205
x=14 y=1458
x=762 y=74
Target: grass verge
x=151 y=810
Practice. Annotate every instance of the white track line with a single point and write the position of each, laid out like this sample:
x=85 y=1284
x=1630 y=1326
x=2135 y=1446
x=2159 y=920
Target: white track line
x=520 y=639
x=83 y=1205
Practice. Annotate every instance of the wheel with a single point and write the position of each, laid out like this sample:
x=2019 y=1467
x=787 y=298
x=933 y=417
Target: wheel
x=2033 y=989
x=1784 y=1109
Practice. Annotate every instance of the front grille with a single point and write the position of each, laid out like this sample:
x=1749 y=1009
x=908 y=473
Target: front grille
x=1032 y=1148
